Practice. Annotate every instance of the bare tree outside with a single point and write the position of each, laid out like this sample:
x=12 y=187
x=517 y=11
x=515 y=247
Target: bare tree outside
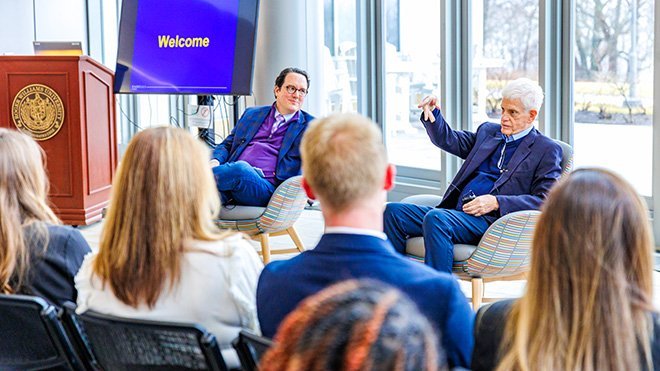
x=614 y=57
x=506 y=47
x=514 y=40
x=613 y=54
x=613 y=88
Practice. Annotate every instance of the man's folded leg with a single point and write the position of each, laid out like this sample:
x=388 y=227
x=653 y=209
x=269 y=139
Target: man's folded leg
x=402 y=221
x=442 y=229
x=241 y=184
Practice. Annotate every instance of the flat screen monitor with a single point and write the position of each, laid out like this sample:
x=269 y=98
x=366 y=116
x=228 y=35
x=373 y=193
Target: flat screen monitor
x=186 y=47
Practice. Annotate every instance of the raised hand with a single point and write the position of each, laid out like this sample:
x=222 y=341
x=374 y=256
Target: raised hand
x=427 y=105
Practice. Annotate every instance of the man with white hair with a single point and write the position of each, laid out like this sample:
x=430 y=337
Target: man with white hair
x=508 y=167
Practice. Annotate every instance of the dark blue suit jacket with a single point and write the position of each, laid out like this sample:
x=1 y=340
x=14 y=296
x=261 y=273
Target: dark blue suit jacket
x=531 y=172
x=288 y=160
x=338 y=257
x=52 y=271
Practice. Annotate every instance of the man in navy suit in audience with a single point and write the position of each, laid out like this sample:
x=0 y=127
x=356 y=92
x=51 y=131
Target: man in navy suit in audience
x=508 y=167
x=345 y=168
x=262 y=150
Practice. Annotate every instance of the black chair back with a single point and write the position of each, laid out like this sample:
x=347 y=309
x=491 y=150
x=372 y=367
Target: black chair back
x=250 y=349
x=77 y=336
x=32 y=338
x=130 y=344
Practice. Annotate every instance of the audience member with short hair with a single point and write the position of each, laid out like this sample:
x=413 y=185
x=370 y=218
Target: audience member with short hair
x=38 y=256
x=345 y=167
x=355 y=325
x=160 y=255
x=588 y=302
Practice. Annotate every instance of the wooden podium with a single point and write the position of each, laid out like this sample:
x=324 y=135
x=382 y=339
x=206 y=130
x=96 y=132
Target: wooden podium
x=68 y=105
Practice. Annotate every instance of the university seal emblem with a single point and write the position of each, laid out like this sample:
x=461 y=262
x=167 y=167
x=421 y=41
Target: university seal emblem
x=38 y=111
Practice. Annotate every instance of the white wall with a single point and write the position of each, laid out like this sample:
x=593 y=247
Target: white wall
x=16 y=27
x=286 y=37
x=56 y=20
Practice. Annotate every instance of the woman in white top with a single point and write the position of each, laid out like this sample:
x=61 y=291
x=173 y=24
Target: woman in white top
x=160 y=256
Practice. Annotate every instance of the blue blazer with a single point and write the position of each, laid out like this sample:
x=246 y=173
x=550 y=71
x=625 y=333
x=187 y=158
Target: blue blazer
x=337 y=257
x=53 y=270
x=288 y=159
x=534 y=167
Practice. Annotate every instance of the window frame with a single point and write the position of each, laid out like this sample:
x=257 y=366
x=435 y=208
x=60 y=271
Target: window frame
x=556 y=75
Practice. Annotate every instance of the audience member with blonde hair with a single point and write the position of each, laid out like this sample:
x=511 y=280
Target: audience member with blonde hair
x=355 y=325
x=38 y=256
x=345 y=167
x=588 y=303
x=160 y=255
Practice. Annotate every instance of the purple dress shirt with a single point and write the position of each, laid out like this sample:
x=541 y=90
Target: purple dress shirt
x=264 y=148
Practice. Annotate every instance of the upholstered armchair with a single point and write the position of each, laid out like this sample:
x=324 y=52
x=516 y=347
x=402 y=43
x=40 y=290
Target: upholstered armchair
x=276 y=219
x=502 y=253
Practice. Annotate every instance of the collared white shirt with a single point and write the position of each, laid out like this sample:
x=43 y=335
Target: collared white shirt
x=279 y=123
x=286 y=117
x=351 y=230
x=512 y=137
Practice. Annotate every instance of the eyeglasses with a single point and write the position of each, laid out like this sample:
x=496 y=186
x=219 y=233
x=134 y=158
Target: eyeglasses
x=292 y=90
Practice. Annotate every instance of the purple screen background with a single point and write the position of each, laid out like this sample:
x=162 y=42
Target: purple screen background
x=184 y=69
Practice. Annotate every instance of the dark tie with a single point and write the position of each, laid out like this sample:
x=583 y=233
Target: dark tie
x=500 y=162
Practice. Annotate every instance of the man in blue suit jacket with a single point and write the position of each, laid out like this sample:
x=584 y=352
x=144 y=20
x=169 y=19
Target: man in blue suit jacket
x=262 y=150
x=508 y=167
x=345 y=168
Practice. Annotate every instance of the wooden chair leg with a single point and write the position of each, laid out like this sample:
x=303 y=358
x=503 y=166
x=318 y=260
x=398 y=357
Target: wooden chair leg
x=477 y=292
x=296 y=239
x=265 y=248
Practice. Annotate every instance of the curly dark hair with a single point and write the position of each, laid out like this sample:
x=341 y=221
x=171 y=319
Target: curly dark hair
x=279 y=80
x=355 y=325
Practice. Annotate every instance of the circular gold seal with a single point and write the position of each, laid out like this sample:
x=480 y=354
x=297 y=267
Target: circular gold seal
x=38 y=111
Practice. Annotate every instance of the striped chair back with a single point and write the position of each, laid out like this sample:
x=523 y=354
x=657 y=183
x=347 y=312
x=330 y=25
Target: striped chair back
x=505 y=247
x=566 y=158
x=284 y=207
x=277 y=218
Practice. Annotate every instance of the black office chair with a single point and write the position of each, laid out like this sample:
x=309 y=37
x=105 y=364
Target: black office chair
x=77 y=336
x=250 y=349
x=130 y=344
x=32 y=337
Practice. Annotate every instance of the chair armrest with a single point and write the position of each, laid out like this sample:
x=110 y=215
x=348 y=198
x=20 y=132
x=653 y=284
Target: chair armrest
x=285 y=206
x=505 y=247
x=423 y=200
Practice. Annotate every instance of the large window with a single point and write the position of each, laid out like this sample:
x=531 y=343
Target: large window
x=505 y=46
x=412 y=71
x=594 y=59
x=613 y=88
x=340 y=55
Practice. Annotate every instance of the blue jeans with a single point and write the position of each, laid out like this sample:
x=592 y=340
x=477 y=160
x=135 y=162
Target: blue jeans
x=239 y=183
x=441 y=229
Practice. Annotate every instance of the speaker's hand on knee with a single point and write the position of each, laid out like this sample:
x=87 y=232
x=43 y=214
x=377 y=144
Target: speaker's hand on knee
x=213 y=163
x=481 y=205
